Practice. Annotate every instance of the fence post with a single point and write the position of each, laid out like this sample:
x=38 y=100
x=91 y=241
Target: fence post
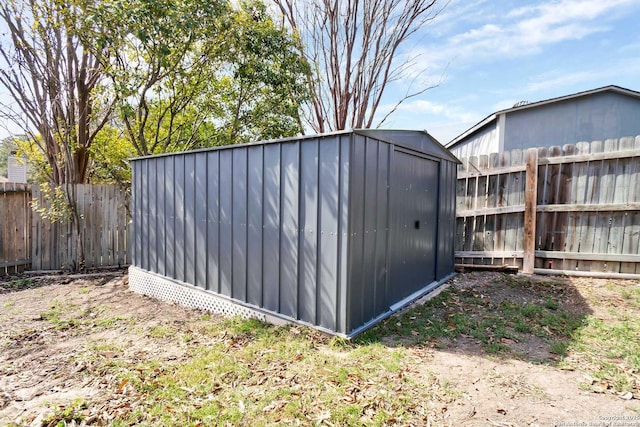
x=530 y=197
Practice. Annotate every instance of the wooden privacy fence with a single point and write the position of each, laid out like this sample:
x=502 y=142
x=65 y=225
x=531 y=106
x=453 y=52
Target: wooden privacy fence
x=51 y=245
x=574 y=209
x=15 y=226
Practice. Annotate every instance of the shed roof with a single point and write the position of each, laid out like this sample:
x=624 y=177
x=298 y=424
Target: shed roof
x=419 y=140
x=493 y=117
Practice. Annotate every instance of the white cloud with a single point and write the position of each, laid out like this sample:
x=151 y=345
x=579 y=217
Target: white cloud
x=631 y=48
x=422 y=106
x=523 y=30
x=440 y=113
x=552 y=80
x=602 y=76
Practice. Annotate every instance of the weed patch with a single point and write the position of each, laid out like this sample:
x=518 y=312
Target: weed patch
x=256 y=374
x=537 y=321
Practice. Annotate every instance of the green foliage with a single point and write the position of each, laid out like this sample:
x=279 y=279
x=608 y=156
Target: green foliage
x=38 y=170
x=56 y=207
x=261 y=95
x=110 y=152
x=7 y=145
x=191 y=73
x=171 y=75
x=64 y=415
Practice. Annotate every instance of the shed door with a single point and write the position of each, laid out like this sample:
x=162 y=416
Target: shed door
x=414 y=195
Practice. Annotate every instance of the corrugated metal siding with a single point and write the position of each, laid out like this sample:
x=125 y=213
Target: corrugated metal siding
x=265 y=225
x=271 y=234
x=390 y=259
x=368 y=230
x=302 y=228
x=213 y=221
x=596 y=117
x=446 y=219
x=484 y=141
x=255 y=225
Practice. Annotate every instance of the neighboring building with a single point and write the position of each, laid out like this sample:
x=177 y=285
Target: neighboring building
x=598 y=114
x=16 y=169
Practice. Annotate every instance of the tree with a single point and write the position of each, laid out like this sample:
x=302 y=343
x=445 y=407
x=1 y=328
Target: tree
x=157 y=55
x=51 y=77
x=260 y=89
x=193 y=73
x=7 y=145
x=353 y=50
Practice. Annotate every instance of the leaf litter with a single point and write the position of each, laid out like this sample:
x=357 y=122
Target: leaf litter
x=105 y=356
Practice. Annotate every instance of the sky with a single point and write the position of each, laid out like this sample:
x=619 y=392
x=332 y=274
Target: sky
x=488 y=55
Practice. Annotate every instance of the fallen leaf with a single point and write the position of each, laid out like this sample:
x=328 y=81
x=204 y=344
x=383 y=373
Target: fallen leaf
x=323 y=416
x=121 y=386
x=501 y=411
x=275 y=406
x=626 y=396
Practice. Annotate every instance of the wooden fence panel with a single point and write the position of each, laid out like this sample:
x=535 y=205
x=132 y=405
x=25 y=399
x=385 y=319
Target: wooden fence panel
x=29 y=240
x=587 y=208
x=490 y=202
x=15 y=222
x=105 y=226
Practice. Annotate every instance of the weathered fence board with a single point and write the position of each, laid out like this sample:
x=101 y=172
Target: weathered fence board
x=587 y=208
x=490 y=203
x=104 y=226
x=29 y=240
x=15 y=221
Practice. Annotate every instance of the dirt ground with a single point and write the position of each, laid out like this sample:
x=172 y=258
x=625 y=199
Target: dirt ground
x=45 y=363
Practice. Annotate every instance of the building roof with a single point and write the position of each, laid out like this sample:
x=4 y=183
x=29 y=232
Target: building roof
x=492 y=117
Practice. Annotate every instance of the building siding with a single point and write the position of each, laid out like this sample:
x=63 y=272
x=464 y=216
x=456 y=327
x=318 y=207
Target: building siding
x=486 y=140
x=595 y=117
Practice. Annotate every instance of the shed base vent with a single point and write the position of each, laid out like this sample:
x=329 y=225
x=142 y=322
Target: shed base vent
x=152 y=285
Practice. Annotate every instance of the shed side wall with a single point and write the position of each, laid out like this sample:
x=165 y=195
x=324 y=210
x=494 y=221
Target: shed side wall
x=446 y=219
x=266 y=225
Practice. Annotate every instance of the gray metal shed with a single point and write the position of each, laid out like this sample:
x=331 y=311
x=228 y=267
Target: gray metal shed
x=337 y=231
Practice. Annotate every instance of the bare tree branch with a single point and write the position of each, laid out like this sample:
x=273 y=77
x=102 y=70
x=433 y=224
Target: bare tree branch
x=51 y=77
x=352 y=48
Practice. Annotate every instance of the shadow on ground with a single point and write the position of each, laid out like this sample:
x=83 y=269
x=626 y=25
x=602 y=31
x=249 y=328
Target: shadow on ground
x=529 y=318
x=26 y=281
